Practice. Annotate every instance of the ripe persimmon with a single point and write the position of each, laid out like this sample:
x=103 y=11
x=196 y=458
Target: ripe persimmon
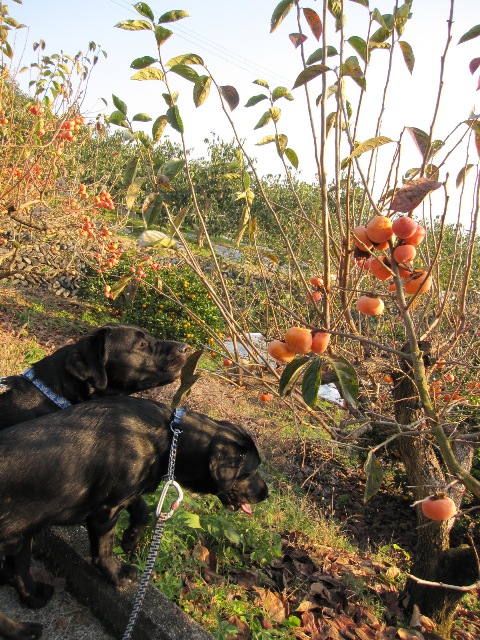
x=379 y=229
x=439 y=507
x=404 y=227
x=449 y=377
x=316 y=295
x=419 y=282
x=279 y=351
x=378 y=268
x=417 y=237
x=370 y=306
x=388 y=378
x=316 y=281
x=320 y=342
x=361 y=239
x=227 y=362
x=265 y=397
x=298 y=340
x=404 y=253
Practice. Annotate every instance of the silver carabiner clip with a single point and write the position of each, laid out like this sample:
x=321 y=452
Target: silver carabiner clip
x=175 y=503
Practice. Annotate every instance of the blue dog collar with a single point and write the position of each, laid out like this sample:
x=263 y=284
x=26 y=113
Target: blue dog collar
x=29 y=374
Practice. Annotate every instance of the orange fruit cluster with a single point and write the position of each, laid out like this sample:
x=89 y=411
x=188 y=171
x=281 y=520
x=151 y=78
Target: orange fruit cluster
x=68 y=129
x=298 y=341
x=378 y=234
x=36 y=109
x=104 y=201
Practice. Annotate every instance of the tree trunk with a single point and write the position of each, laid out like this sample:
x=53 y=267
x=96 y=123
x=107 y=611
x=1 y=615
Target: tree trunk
x=433 y=559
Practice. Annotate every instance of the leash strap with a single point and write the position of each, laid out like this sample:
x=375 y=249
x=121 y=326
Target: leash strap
x=159 y=526
x=30 y=375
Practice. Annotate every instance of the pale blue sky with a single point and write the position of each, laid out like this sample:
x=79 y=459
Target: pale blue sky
x=234 y=40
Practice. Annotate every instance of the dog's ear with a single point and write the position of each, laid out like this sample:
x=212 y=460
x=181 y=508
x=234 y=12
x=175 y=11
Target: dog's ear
x=88 y=359
x=226 y=462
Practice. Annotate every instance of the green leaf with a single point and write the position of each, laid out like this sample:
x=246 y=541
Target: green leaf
x=312 y=379
x=201 y=90
x=162 y=34
x=262 y=83
x=462 y=174
x=134 y=25
x=185 y=58
x=151 y=210
x=309 y=74
x=369 y=145
x=420 y=138
x=374 y=476
x=170 y=99
x=119 y=104
x=364 y=3
x=173 y=16
x=401 y=17
x=144 y=10
x=150 y=73
x=120 y=285
x=351 y=68
x=265 y=140
x=317 y=56
x=256 y=99
x=265 y=119
x=118 y=118
x=347 y=378
x=281 y=92
x=188 y=377
x=191 y=520
x=408 y=56
x=133 y=191
x=276 y=113
x=141 y=117
x=376 y=15
x=141 y=63
x=360 y=46
x=230 y=95
x=474 y=32
x=281 y=141
x=186 y=72
x=130 y=171
x=291 y=374
x=172 y=167
x=158 y=128
x=380 y=35
x=292 y=157
x=279 y=13
x=174 y=119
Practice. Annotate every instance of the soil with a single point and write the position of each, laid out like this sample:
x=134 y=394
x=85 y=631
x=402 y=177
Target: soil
x=334 y=482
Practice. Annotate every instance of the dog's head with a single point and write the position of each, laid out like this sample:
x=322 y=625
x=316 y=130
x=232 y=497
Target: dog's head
x=234 y=463
x=122 y=358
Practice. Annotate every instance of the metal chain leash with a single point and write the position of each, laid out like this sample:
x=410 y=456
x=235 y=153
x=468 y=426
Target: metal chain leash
x=159 y=526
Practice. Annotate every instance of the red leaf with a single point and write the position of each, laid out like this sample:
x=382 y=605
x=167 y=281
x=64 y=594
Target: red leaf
x=474 y=64
x=297 y=39
x=478 y=88
x=230 y=94
x=412 y=193
x=314 y=22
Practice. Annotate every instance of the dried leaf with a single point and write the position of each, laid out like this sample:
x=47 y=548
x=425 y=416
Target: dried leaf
x=230 y=95
x=412 y=193
x=314 y=22
x=392 y=572
x=409 y=634
x=201 y=553
x=474 y=64
x=297 y=39
x=273 y=604
x=462 y=174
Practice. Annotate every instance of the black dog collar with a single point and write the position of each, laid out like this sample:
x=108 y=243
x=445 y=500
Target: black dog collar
x=30 y=375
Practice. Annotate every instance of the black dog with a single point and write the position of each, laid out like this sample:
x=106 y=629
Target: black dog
x=88 y=462
x=117 y=359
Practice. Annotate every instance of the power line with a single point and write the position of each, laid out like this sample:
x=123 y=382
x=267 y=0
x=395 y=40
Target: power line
x=223 y=53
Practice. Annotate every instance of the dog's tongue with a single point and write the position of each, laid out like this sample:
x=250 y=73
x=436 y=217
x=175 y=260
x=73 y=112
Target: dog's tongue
x=246 y=508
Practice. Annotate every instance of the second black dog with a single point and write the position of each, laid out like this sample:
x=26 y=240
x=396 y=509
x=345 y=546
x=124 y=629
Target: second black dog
x=88 y=462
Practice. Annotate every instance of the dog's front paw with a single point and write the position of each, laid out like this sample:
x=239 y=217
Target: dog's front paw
x=24 y=631
x=130 y=540
x=38 y=597
x=116 y=572
x=127 y=573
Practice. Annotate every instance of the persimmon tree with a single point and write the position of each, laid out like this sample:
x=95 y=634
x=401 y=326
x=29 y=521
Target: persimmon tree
x=390 y=261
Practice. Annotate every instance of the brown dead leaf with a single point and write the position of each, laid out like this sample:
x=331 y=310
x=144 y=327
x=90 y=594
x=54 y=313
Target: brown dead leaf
x=201 y=553
x=392 y=572
x=305 y=568
x=272 y=603
x=427 y=624
x=246 y=579
x=307 y=605
x=409 y=634
x=319 y=589
x=242 y=626
x=211 y=577
x=412 y=193
x=365 y=633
